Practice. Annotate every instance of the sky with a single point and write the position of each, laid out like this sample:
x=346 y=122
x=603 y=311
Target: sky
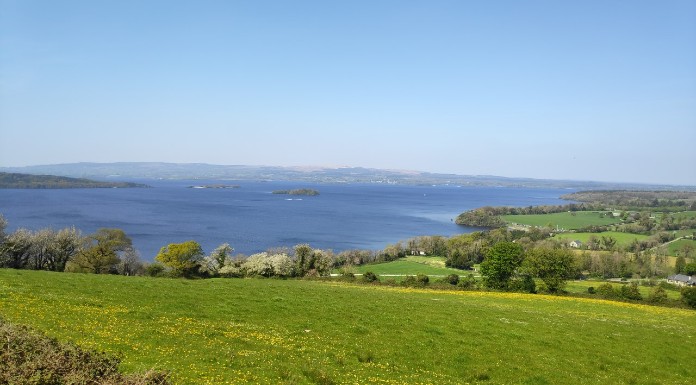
x=579 y=90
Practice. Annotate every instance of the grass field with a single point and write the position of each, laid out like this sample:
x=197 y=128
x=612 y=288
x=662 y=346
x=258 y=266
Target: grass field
x=566 y=220
x=622 y=239
x=674 y=247
x=582 y=286
x=685 y=215
x=411 y=265
x=265 y=331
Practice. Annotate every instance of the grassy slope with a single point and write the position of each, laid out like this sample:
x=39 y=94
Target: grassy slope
x=622 y=239
x=582 y=286
x=274 y=331
x=562 y=220
x=411 y=266
x=674 y=248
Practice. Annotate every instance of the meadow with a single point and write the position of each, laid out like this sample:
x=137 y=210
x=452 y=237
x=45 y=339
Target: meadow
x=564 y=220
x=580 y=287
x=622 y=239
x=675 y=248
x=268 y=331
x=411 y=265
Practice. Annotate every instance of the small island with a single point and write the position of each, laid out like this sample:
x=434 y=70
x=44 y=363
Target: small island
x=303 y=191
x=28 y=181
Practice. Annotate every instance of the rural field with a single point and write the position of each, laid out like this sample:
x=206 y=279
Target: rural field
x=622 y=239
x=676 y=247
x=565 y=220
x=267 y=331
x=580 y=287
x=411 y=265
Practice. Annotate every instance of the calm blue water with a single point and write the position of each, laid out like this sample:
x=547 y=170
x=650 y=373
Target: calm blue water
x=251 y=219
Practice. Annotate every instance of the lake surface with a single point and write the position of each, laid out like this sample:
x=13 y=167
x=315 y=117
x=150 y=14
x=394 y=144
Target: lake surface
x=252 y=219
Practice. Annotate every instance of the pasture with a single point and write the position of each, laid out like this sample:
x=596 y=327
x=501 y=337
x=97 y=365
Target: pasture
x=267 y=331
x=677 y=247
x=580 y=287
x=622 y=239
x=411 y=265
x=566 y=220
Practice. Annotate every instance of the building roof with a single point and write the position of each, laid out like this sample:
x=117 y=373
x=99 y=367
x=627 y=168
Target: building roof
x=682 y=278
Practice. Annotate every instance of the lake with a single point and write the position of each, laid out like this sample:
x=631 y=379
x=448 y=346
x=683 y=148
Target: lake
x=252 y=219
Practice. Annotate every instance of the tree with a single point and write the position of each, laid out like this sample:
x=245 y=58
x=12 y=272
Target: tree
x=553 y=266
x=130 y=263
x=500 y=264
x=14 y=251
x=303 y=254
x=258 y=264
x=690 y=268
x=3 y=226
x=100 y=252
x=688 y=295
x=212 y=264
x=183 y=258
x=679 y=264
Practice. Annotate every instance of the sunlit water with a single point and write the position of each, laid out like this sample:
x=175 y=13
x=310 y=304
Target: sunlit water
x=252 y=219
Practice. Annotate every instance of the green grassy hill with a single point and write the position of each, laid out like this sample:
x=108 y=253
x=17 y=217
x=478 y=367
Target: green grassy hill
x=411 y=265
x=622 y=239
x=266 y=331
x=565 y=220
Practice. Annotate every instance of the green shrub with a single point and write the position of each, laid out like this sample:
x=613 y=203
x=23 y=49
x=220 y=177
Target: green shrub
x=452 y=279
x=631 y=292
x=154 y=270
x=606 y=290
x=525 y=284
x=658 y=295
x=591 y=290
x=369 y=276
x=422 y=279
x=468 y=283
x=28 y=357
x=688 y=296
x=409 y=281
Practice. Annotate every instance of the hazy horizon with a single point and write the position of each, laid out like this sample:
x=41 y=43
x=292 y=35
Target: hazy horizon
x=591 y=91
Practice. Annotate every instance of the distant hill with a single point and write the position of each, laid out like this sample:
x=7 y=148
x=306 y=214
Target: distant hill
x=27 y=181
x=154 y=170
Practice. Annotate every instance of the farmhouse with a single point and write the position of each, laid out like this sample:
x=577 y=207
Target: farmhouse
x=682 y=280
x=576 y=244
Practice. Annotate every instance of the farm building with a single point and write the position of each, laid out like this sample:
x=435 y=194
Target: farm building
x=576 y=244
x=682 y=280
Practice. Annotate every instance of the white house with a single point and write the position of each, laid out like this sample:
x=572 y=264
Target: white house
x=682 y=280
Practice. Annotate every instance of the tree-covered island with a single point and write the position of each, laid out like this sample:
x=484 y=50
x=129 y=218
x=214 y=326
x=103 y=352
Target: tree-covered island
x=302 y=191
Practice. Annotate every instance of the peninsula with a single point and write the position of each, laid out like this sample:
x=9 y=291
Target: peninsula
x=27 y=181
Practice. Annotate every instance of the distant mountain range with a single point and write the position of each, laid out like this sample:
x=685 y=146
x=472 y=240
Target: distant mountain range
x=153 y=170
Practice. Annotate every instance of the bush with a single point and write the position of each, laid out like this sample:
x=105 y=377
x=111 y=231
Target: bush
x=154 y=270
x=688 y=296
x=524 y=284
x=606 y=290
x=631 y=292
x=369 y=276
x=422 y=279
x=591 y=290
x=409 y=281
x=658 y=295
x=452 y=279
x=468 y=283
x=28 y=357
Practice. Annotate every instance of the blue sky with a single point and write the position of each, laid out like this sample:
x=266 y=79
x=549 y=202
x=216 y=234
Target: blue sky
x=583 y=90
